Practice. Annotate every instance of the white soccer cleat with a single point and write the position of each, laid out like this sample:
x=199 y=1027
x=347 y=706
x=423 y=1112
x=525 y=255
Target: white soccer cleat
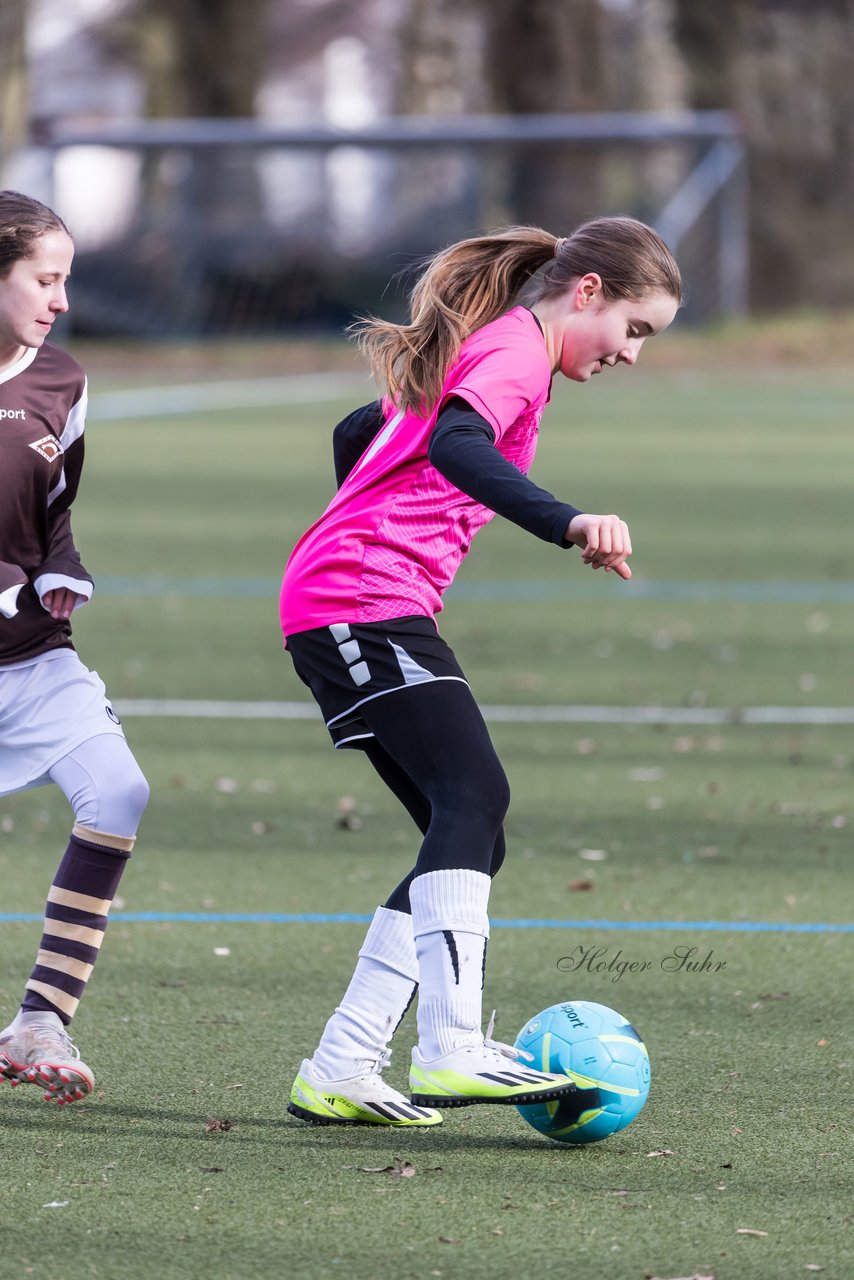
x=42 y=1054
x=483 y=1071
x=363 y=1099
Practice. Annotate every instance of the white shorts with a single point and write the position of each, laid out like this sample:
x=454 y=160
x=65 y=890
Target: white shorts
x=47 y=708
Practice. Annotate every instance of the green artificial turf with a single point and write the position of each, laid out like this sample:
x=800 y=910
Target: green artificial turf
x=185 y=1163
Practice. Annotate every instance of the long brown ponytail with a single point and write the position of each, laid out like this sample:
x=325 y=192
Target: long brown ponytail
x=463 y=288
x=474 y=281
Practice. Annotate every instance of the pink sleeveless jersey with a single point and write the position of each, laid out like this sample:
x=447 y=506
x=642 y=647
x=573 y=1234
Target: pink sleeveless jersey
x=392 y=538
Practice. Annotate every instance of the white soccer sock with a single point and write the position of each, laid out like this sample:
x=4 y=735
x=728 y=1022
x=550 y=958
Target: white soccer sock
x=451 y=928
x=357 y=1035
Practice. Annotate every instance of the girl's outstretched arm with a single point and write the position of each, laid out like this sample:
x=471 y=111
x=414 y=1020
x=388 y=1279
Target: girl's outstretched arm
x=462 y=448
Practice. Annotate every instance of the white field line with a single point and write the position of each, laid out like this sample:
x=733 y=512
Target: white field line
x=191 y=709
x=230 y=394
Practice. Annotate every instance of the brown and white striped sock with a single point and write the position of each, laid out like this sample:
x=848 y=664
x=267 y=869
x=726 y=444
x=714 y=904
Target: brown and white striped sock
x=75 y=919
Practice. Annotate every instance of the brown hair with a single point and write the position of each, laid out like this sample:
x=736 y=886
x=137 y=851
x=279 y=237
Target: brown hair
x=474 y=281
x=22 y=221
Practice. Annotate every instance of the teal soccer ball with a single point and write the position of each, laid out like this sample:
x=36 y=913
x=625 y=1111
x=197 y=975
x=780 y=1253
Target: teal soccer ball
x=604 y=1055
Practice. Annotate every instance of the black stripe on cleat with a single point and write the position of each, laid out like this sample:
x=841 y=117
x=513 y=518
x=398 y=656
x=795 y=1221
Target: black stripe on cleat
x=390 y=1111
x=514 y=1099
x=313 y=1118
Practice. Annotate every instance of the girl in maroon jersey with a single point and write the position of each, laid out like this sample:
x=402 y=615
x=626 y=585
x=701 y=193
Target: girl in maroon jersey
x=56 y=724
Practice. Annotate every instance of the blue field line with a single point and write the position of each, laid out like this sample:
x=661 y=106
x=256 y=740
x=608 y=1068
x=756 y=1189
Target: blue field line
x=346 y=917
x=530 y=591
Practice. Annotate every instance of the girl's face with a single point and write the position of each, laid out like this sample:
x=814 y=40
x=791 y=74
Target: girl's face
x=586 y=333
x=32 y=295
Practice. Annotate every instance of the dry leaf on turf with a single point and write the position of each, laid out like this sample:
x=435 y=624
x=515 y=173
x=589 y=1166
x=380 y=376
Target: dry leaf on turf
x=213 y=1125
x=400 y=1169
x=580 y=886
x=450 y=1239
x=662 y=1151
x=704 y=1275
x=749 y=1231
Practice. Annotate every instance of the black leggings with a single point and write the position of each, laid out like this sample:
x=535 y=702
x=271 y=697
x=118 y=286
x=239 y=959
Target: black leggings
x=431 y=747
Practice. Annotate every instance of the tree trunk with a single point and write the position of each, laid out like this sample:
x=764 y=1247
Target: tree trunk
x=202 y=57
x=201 y=208
x=548 y=56
x=785 y=69
x=13 y=82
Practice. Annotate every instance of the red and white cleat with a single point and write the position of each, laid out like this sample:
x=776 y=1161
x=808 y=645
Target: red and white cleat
x=44 y=1055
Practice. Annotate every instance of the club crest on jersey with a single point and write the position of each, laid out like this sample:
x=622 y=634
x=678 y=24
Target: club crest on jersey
x=48 y=447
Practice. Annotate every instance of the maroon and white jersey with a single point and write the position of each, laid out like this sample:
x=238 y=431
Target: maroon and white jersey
x=42 y=414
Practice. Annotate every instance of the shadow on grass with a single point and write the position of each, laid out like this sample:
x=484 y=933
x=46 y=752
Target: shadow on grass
x=444 y=1139
x=104 y=1119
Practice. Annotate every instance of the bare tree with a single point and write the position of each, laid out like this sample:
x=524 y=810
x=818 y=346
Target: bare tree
x=196 y=57
x=648 y=73
x=13 y=80
x=786 y=69
x=440 y=58
x=548 y=56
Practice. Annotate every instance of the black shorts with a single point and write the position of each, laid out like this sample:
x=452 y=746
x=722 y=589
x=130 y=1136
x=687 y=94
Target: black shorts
x=348 y=664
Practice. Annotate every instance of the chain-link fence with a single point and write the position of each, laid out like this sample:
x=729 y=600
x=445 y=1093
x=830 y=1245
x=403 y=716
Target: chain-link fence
x=225 y=227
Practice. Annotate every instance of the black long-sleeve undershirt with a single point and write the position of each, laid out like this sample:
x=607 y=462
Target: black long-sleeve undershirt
x=462 y=449
x=353 y=435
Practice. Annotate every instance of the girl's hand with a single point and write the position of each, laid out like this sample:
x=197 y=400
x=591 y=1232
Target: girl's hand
x=604 y=541
x=61 y=601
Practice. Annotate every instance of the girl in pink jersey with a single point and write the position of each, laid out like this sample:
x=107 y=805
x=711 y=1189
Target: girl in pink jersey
x=420 y=471
x=56 y=724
